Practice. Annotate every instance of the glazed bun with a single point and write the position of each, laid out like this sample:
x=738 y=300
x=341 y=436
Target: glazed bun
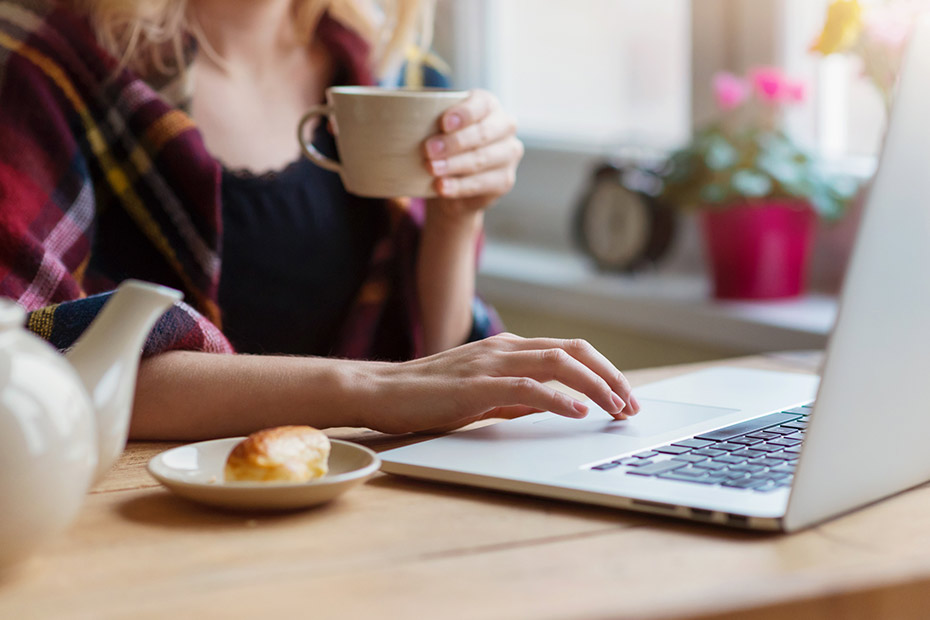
x=282 y=454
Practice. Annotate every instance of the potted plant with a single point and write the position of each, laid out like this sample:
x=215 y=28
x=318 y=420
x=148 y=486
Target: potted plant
x=758 y=192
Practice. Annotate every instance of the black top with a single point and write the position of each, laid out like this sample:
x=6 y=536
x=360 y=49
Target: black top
x=296 y=249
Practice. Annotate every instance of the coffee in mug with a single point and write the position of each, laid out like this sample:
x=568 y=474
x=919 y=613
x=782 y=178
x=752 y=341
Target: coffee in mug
x=380 y=134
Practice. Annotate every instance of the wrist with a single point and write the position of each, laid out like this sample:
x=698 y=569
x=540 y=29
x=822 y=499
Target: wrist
x=441 y=216
x=361 y=389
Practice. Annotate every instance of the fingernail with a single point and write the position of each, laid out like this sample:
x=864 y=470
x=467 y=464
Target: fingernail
x=435 y=146
x=447 y=187
x=618 y=402
x=580 y=408
x=453 y=122
x=440 y=167
x=635 y=403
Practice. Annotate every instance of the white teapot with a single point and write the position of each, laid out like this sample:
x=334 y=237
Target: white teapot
x=64 y=420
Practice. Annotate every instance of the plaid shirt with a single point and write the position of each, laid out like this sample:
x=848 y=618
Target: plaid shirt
x=102 y=180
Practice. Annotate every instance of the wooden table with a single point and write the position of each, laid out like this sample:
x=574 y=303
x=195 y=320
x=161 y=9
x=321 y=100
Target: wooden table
x=403 y=548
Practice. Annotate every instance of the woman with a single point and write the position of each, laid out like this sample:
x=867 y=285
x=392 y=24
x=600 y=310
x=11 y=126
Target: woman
x=105 y=177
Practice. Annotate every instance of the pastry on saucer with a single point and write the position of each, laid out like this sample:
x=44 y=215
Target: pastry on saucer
x=281 y=454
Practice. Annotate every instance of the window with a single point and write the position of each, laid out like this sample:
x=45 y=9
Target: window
x=597 y=72
x=588 y=79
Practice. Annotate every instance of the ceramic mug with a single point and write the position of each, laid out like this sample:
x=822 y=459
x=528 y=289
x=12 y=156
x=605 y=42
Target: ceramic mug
x=380 y=134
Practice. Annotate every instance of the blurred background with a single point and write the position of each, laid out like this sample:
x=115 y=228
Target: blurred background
x=625 y=83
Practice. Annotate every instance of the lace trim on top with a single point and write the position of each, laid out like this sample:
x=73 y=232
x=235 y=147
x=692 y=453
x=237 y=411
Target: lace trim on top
x=247 y=174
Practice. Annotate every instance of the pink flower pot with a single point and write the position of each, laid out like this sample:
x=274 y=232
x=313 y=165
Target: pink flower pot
x=759 y=250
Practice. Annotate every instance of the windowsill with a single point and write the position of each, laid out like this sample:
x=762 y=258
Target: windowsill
x=668 y=305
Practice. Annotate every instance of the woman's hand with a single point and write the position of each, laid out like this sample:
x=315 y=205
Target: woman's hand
x=499 y=377
x=475 y=157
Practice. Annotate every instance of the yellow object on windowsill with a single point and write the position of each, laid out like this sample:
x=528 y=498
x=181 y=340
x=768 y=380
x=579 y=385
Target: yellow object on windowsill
x=842 y=28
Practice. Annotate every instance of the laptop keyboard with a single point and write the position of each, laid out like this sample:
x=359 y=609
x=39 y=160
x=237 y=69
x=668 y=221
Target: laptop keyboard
x=758 y=454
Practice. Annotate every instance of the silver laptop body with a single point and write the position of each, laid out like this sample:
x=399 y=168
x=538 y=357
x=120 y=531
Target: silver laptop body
x=866 y=438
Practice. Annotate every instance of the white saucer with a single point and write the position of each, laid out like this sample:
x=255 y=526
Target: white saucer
x=195 y=471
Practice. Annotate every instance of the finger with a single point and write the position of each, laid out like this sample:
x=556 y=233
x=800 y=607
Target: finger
x=507 y=152
x=590 y=357
x=478 y=106
x=493 y=129
x=515 y=391
x=510 y=412
x=556 y=364
x=491 y=183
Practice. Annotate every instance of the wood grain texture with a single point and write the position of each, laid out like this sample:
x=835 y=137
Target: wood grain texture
x=403 y=548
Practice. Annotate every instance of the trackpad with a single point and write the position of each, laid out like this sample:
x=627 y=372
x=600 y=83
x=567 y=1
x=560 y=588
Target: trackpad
x=655 y=417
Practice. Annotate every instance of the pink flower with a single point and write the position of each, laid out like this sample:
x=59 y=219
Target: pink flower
x=769 y=84
x=730 y=90
x=795 y=91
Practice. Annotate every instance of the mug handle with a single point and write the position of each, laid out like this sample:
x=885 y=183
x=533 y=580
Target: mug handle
x=311 y=151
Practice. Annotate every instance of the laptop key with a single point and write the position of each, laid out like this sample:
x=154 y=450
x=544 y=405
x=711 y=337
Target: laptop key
x=673 y=450
x=689 y=472
x=784 y=468
x=709 y=452
x=693 y=443
x=673 y=475
x=752 y=469
x=799 y=425
x=730 y=460
x=746 y=441
x=605 y=466
x=710 y=465
x=749 y=426
x=782 y=456
x=734 y=475
x=646 y=455
x=690 y=458
x=803 y=410
x=729 y=447
x=763 y=435
x=781 y=430
x=640 y=463
x=702 y=480
x=766 y=462
x=657 y=468
x=783 y=441
x=764 y=447
x=749 y=454
x=743 y=483
x=798 y=435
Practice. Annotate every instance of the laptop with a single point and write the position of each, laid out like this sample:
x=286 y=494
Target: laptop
x=750 y=448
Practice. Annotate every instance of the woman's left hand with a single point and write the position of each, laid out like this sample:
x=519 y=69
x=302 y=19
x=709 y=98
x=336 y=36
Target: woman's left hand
x=475 y=157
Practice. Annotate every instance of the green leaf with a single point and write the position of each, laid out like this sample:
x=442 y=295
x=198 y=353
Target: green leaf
x=751 y=183
x=713 y=193
x=720 y=154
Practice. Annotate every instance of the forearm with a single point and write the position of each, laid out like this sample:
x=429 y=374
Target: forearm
x=446 y=278
x=188 y=395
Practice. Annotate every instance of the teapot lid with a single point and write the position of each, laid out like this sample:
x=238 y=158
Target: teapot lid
x=11 y=314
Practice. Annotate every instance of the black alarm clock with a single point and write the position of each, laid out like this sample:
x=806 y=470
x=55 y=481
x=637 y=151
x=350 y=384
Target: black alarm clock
x=620 y=222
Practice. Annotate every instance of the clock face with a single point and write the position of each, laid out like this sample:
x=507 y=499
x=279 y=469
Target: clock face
x=616 y=224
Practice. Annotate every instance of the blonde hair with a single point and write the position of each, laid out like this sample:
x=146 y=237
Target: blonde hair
x=149 y=35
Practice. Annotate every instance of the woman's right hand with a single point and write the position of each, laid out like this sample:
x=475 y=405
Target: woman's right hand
x=500 y=377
